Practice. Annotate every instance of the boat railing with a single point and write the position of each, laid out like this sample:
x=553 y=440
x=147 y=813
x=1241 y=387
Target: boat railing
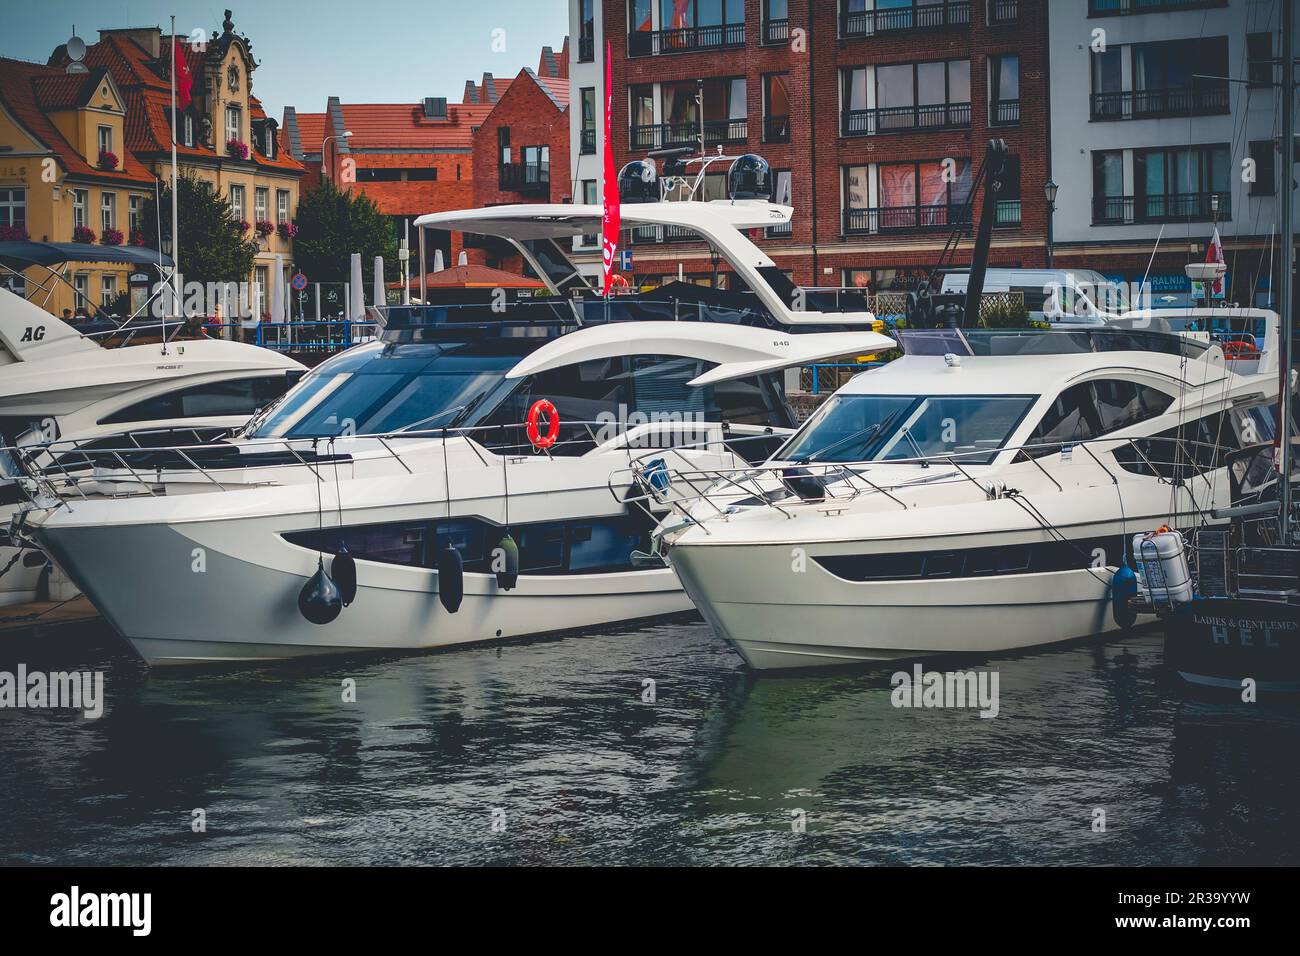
x=714 y=492
x=59 y=472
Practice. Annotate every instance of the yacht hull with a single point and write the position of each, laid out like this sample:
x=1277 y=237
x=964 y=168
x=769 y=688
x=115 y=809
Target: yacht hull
x=243 y=607
x=779 y=618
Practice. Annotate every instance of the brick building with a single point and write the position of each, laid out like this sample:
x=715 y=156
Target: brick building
x=418 y=158
x=409 y=158
x=874 y=120
x=521 y=154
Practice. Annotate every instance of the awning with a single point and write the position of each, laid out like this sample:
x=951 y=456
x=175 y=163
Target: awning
x=19 y=255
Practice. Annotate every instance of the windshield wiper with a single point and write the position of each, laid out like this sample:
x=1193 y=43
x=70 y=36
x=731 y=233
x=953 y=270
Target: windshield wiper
x=861 y=432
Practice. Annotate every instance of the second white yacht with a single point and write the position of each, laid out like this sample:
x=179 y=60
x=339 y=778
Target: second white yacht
x=978 y=494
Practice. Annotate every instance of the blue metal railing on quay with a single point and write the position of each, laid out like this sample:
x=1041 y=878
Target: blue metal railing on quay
x=334 y=335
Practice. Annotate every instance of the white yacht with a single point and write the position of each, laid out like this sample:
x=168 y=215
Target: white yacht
x=976 y=495
x=57 y=384
x=392 y=499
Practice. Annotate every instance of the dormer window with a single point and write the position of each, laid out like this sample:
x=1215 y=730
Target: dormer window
x=105 y=139
x=184 y=128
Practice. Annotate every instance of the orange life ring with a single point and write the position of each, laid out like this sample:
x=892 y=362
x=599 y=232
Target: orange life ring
x=1239 y=349
x=553 y=424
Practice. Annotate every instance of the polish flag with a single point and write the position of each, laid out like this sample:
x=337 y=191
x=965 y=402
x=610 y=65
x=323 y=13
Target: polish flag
x=613 y=217
x=1214 y=253
x=184 y=79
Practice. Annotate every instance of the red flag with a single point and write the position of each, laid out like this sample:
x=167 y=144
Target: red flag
x=613 y=217
x=184 y=79
x=1214 y=253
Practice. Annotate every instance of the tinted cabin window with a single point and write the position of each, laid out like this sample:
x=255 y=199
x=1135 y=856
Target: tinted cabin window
x=608 y=392
x=241 y=397
x=1178 y=452
x=1092 y=409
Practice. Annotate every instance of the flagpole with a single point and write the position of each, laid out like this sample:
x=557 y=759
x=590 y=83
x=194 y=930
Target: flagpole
x=176 y=239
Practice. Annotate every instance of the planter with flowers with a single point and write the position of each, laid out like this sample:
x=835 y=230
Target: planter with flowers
x=265 y=227
x=137 y=237
x=111 y=237
x=287 y=230
x=83 y=234
x=237 y=149
x=13 y=234
x=107 y=159
x=244 y=226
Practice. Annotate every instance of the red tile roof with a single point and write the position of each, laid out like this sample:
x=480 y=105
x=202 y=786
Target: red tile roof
x=311 y=131
x=404 y=126
x=28 y=91
x=558 y=88
x=145 y=83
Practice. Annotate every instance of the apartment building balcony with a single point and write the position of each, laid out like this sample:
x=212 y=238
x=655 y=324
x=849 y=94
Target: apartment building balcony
x=1120 y=8
x=666 y=135
x=586 y=49
x=1152 y=104
x=775 y=32
x=1004 y=112
x=656 y=235
x=1003 y=13
x=901 y=119
x=929 y=16
x=685 y=39
x=526 y=178
x=1168 y=207
x=588 y=142
x=776 y=129
x=905 y=218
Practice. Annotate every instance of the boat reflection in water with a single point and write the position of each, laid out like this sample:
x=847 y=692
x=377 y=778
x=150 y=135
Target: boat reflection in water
x=558 y=737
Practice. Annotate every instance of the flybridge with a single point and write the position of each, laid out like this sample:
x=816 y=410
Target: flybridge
x=541 y=232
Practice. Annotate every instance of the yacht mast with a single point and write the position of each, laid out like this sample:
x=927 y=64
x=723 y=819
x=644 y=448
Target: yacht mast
x=1287 y=265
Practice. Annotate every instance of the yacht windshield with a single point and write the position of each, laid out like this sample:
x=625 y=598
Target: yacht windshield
x=396 y=388
x=852 y=428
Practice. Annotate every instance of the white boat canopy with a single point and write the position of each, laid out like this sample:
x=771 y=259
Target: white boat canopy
x=720 y=223
x=738 y=351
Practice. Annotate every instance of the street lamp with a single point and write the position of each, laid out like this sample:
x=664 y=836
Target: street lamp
x=324 y=167
x=1049 y=193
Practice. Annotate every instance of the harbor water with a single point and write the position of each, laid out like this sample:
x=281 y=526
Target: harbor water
x=649 y=745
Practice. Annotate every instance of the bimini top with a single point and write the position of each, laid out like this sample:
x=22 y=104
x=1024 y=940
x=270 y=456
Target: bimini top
x=737 y=351
x=20 y=254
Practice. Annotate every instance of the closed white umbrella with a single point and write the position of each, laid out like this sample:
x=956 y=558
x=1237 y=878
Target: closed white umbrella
x=437 y=261
x=464 y=258
x=278 y=299
x=381 y=298
x=356 y=291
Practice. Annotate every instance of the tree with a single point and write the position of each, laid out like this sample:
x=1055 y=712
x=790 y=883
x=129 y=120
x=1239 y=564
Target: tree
x=332 y=225
x=213 y=247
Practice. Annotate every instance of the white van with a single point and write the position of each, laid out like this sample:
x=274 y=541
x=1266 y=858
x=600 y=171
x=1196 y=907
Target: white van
x=1059 y=296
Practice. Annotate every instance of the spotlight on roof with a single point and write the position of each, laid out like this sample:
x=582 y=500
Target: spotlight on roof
x=750 y=177
x=638 y=182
